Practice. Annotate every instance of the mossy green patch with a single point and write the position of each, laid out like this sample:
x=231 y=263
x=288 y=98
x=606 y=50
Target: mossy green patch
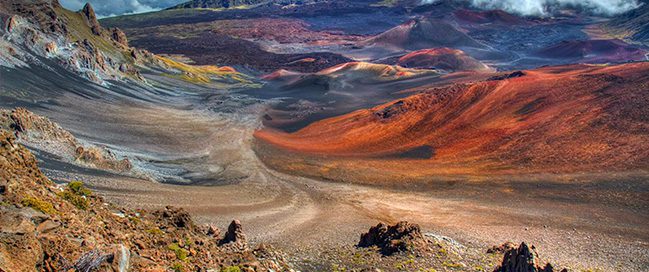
x=180 y=252
x=38 y=204
x=77 y=194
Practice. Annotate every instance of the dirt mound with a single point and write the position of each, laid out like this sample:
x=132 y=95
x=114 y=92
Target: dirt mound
x=523 y=259
x=56 y=228
x=41 y=133
x=442 y=58
x=401 y=237
x=420 y=34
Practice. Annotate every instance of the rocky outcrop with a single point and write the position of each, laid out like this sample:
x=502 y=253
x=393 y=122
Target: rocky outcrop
x=234 y=236
x=119 y=36
x=41 y=133
x=523 y=258
x=91 y=19
x=43 y=227
x=401 y=237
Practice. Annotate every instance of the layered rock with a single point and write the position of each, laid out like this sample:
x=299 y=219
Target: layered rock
x=44 y=29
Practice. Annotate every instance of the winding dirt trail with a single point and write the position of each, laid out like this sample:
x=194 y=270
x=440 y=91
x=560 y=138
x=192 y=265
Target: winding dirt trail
x=606 y=219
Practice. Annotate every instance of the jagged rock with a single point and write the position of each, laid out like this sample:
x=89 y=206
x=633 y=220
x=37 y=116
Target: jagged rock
x=91 y=18
x=523 y=259
x=234 y=234
x=119 y=36
x=401 y=237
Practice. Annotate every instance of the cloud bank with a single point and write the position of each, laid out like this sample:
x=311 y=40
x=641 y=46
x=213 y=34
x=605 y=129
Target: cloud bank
x=107 y=8
x=547 y=7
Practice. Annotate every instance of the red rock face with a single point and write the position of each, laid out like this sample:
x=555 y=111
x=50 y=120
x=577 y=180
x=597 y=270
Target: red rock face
x=564 y=119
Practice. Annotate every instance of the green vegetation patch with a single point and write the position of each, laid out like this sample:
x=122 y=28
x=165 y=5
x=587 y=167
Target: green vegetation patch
x=77 y=194
x=180 y=252
x=38 y=204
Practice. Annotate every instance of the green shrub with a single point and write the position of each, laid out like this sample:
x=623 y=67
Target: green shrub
x=181 y=253
x=38 y=204
x=78 y=188
x=76 y=193
x=155 y=231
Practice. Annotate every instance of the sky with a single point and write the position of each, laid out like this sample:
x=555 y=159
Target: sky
x=107 y=8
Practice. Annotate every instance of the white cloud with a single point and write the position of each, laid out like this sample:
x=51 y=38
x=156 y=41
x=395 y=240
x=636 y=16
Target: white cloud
x=545 y=7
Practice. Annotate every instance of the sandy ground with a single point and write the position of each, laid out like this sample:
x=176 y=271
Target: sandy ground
x=581 y=223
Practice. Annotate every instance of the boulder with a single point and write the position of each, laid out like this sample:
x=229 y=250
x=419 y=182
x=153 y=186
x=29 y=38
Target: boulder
x=234 y=234
x=523 y=258
x=401 y=237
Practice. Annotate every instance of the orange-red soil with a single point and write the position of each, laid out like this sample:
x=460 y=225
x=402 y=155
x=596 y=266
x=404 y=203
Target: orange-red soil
x=556 y=119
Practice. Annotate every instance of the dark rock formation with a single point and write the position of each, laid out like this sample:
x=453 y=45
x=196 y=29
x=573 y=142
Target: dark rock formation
x=234 y=234
x=523 y=259
x=91 y=18
x=401 y=237
x=119 y=36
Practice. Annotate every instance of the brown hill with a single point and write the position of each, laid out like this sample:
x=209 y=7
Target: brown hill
x=442 y=58
x=554 y=119
x=420 y=34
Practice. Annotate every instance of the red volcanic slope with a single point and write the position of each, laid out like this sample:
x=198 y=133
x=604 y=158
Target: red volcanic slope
x=568 y=118
x=595 y=51
x=488 y=16
x=442 y=58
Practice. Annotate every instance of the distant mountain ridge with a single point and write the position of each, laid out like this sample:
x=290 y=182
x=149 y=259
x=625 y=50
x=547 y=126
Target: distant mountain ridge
x=634 y=24
x=236 y=3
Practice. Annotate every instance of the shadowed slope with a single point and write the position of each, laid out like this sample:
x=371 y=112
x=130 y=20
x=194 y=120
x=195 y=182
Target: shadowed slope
x=564 y=119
